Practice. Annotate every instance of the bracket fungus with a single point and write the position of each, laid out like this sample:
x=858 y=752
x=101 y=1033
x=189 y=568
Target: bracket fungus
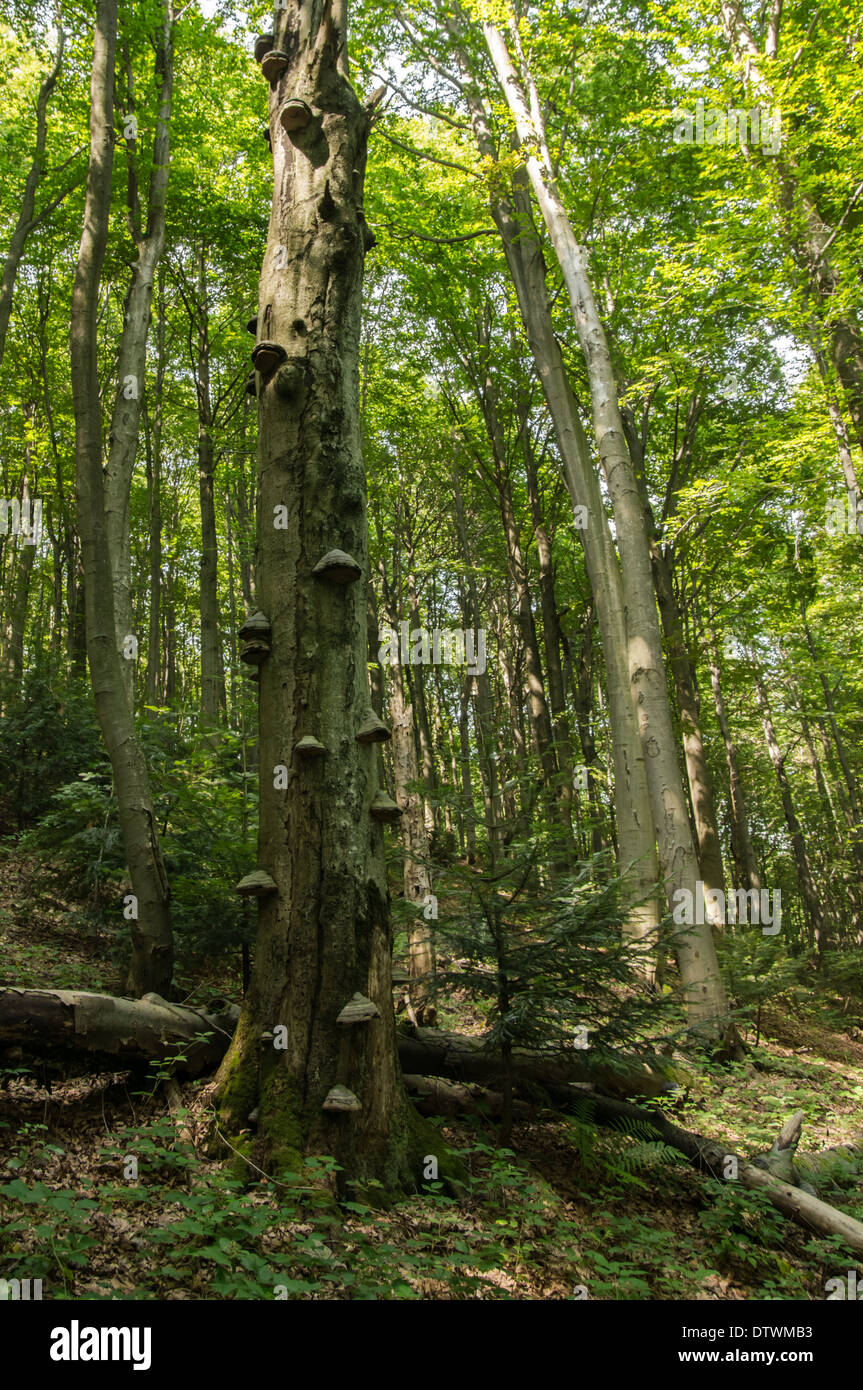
x=337 y=567
x=267 y=356
x=255 y=638
x=399 y=975
x=251 y=384
x=256 y=625
x=263 y=46
x=359 y=1009
x=294 y=115
x=274 y=63
x=383 y=808
x=341 y=1100
x=257 y=884
x=310 y=747
x=252 y=326
x=372 y=730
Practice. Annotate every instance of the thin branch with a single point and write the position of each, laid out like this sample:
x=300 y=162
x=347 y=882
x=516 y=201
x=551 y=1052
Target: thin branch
x=434 y=159
x=441 y=240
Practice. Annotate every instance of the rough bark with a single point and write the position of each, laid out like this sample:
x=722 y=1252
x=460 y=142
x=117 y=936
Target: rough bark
x=134 y=1032
x=324 y=933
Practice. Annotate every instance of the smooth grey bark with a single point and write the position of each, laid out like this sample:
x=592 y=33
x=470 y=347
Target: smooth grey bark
x=27 y=218
x=153 y=687
x=741 y=839
x=149 y=239
x=152 y=950
x=416 y=869
x=213 y=699
x=696 y=953
x=637 y=844
x=811 y=903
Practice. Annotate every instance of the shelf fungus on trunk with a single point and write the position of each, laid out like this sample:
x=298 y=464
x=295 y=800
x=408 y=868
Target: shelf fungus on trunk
x=255 y=638
x=399 y=975
x=336 y=567
x=253 y=674
x=295 y=115
x=267 y=356
x=340 y=1100
x=359 y=1009
x=252 y=326
x=263 y=46
x=310 y=747
x=372 y=730
x=274 y=63
x=257 y=884
x=384 y=808
x=266 y=134
x=251 y=384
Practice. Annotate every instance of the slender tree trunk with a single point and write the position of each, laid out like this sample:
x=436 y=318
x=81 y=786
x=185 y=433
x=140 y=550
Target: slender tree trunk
x=213 y=699
x=484 y=707
x=323 y=928
x=152 y=689
x=741 y=839
x=132 y=358
x=637 y=844
x=696 y=953
x=814 y=915
x=697 y=770
x=152 y=951
x=26 y=220
x=415 y=836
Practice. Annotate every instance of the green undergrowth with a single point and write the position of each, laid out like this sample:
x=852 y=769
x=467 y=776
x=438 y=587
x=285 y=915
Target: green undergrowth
x=184 y=1229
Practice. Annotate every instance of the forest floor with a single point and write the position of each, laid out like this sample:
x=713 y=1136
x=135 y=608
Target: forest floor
x=102 y=1198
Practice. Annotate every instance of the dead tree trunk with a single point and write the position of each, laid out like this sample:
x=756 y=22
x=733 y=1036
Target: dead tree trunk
x=319 y=1085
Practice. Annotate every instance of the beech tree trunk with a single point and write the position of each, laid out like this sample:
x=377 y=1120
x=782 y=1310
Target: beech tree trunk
x=696 y=953
x=149 y=238
x=741 y=840
x=152 y=950
x=811 y=903
x=213 y=699
x=415 y=836
x=323 y=929
x=27 y=218
x=637 y=836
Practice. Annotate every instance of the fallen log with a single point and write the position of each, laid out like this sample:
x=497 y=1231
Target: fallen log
x=136 y=1031
x=151 y=1029
x=801 y=1204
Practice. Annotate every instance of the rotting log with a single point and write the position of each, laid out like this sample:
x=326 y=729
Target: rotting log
x=134 y=1030
x=141 y=1030
x=150 y=1028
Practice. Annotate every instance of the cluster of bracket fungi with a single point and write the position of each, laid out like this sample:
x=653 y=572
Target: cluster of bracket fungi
x=335 y=568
